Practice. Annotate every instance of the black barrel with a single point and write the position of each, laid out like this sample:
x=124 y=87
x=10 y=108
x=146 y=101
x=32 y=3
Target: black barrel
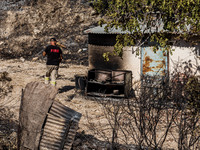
x=80 y=81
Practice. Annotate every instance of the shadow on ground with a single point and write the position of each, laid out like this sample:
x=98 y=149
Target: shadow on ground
x=8 y=130
x=66 y=88
x=89 y=142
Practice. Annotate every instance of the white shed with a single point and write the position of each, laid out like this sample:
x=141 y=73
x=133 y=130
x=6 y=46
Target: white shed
x=147 y=63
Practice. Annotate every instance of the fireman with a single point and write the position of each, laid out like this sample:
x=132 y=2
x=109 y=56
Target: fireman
x=54 y=57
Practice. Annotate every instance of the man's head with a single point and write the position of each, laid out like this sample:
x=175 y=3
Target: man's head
x=53 y=41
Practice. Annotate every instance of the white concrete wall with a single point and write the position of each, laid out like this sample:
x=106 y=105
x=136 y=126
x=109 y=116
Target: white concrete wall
x=183 y=53
x=132 y=62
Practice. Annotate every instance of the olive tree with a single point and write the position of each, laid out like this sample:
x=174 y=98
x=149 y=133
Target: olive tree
x=157 y=17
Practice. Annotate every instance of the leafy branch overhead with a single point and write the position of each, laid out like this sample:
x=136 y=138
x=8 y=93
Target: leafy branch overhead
x=153 y=18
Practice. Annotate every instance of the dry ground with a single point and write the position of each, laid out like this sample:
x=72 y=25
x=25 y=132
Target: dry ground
x=27 y=71
x=23 y=72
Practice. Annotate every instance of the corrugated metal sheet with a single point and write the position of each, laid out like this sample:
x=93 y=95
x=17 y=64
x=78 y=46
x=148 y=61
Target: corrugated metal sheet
x=143 y=28
x=154 y=64
x=60 y=128
x=101 y=30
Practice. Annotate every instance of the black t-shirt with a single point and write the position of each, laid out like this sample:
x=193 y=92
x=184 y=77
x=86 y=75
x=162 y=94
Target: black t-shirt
x=53 y=55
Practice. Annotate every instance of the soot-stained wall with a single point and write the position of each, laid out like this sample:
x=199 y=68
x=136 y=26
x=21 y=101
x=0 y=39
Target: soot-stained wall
x=129 y=61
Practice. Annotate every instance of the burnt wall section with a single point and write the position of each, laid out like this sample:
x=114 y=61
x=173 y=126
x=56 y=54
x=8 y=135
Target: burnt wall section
x=129 y=61
x=97 y=61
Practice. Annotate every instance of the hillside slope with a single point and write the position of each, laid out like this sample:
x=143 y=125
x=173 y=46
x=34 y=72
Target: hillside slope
x=27 y=25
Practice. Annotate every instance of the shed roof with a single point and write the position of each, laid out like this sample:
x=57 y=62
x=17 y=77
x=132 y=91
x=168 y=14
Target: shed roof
x=101 y=30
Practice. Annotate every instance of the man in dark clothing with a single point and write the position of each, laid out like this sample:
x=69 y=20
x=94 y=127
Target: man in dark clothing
x=54 y=57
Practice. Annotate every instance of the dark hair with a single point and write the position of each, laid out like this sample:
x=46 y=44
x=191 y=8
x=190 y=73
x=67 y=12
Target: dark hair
x=53 y=39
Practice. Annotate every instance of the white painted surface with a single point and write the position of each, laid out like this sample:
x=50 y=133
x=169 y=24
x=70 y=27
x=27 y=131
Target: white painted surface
x=183 y=55
x=132 y=62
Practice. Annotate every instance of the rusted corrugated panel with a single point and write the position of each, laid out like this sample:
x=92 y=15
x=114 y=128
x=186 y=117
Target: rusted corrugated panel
x=70 y=137
x=154 y=64
x=60 y=128
x=55 y=131
x=64 y=112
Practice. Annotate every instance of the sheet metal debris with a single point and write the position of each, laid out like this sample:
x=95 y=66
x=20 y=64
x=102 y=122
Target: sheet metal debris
x=45 y=123
x=60 y=128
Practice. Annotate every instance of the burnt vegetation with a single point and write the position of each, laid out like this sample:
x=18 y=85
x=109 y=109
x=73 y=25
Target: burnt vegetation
x=27 y=25
x=161 y=113
x=8 y=125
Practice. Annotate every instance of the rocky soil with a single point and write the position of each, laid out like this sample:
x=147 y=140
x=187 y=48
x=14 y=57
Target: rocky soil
x=27 y=25
x=93 y=130
x=22 y=72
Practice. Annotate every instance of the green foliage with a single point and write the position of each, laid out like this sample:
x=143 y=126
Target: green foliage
x=106 y=56
x=180 y=17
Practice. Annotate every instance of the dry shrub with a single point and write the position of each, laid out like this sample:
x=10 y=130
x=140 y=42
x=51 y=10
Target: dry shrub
x=8 y=130
x=5 y=86
x=8 y=127
x=165 y=111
